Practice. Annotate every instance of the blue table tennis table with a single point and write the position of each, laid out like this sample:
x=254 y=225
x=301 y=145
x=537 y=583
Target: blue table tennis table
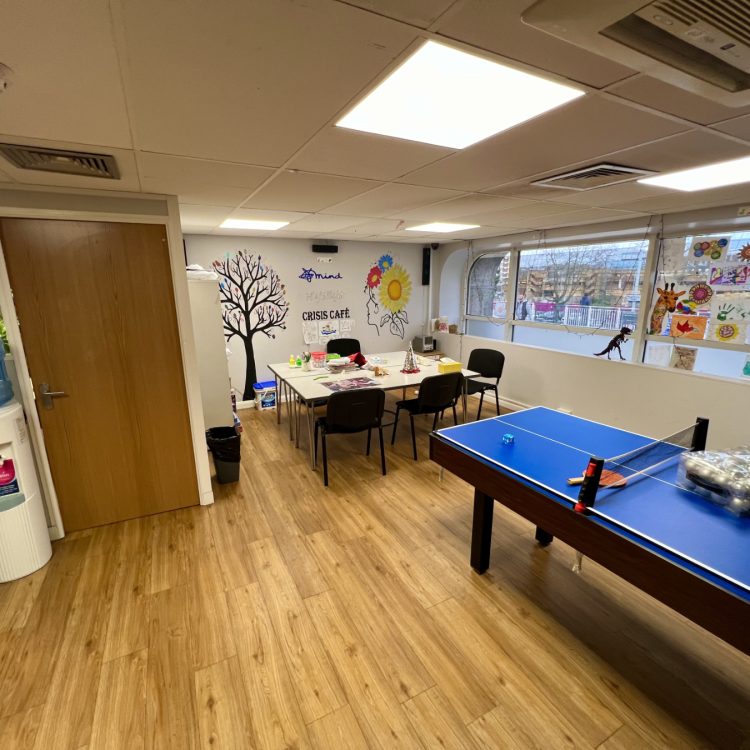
x=689 y=553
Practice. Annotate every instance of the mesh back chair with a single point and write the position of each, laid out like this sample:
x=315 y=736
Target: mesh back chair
x=343 y=347
x=349 y=412
x=436 y=394
x=489 y=364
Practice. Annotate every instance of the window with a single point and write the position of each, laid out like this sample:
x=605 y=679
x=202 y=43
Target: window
x=488 y=287
x=700 y=307
x=488 y=294
x=586 y=288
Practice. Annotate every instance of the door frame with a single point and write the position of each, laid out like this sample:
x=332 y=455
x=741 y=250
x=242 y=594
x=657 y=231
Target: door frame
x=170 y=219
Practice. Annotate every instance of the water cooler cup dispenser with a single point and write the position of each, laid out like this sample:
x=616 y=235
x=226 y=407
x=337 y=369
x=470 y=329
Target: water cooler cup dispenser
x=24 y=540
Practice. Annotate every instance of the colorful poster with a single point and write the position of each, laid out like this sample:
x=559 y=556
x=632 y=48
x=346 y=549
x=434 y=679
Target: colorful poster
x=729 y=332
x=729 y=277
x=730 y=307
x=710 y=248
x=746 y=367
x=683 y=358
x=688 y=326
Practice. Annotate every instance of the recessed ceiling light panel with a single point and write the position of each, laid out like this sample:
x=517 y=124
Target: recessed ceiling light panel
x=721 y=174
x=269 y=226
x=446 y=97
x=440 y=226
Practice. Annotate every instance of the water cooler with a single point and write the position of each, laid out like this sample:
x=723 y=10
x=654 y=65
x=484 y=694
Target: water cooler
x=24 y=540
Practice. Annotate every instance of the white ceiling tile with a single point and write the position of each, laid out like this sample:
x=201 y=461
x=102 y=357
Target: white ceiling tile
x=580 y=216
x=468 y=204
x=668 y=98
x=418 y=12
x=675 y=200
x=584 y=129
x=249 y=81
x=66 y=82
x=389 y=199
x=373 y=227
x=199 y=181
x=497 y=26
x=737 y=126
x=353 y=154
x=518 y=216
x=305 y=191
x=325 y=223
x=194 y=219
x=267 y=214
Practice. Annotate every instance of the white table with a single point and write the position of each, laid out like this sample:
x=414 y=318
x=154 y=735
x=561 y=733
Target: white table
x=309 y=390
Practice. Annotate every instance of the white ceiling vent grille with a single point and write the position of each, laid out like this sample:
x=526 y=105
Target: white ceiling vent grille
x=61 y=161
x=700 y=45
x=599 y=175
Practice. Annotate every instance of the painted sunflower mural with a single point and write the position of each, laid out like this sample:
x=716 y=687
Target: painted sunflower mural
x=388 y=289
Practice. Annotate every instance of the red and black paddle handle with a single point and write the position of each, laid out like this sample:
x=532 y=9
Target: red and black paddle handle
x=589 y=486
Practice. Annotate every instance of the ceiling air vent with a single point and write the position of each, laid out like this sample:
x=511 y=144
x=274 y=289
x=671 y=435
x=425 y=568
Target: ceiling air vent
x=63 y=162
x=599 y=175
x=700 y=45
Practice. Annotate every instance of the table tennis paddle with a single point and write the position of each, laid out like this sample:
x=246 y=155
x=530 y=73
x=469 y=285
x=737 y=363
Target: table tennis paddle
x=608 y=478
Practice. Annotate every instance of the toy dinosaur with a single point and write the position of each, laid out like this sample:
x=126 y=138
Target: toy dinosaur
x=666 y=303
x=615 y=343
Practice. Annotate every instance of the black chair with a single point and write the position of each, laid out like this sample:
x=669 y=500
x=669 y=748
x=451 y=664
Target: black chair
x=343 y=347
x=349 y=412
x=489 y=364
x=436 y=394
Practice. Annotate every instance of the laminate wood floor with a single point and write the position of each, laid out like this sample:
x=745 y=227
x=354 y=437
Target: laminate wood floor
x=291 y=616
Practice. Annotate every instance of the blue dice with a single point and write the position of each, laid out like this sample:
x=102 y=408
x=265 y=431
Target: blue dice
x=508 y=439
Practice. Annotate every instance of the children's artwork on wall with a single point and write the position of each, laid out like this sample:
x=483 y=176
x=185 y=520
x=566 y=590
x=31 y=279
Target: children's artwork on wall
x=700 y=294
x=683 y=358
x=730 y=332
x=729 y=277
x=710 y=248
x=327 y=330
x=744 y=253
x=730 y=307
x=688 y=326
x=310 y=331
x=253 y=300
x=665 y=302
x=746 y=367
x=388 y=289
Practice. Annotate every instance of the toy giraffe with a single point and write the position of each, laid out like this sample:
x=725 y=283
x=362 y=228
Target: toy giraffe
x=666 y=303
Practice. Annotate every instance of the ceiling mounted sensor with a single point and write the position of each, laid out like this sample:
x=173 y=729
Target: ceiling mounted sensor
x=699 y=45
x=58 y=160
x=596 y=176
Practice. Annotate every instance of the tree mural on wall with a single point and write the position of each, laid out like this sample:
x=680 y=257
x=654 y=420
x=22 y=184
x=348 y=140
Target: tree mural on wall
x=253 y=300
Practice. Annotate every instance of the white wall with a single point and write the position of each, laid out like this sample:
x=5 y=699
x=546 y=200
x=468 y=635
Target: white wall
x=288 y=257
x=651 y=400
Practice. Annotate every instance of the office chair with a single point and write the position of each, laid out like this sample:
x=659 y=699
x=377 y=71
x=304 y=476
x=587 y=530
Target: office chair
x=436 y=393
x=488 y=363
x=349 y=412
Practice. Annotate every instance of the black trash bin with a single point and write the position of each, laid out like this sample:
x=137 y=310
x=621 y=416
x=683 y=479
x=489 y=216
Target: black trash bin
x=224 y=443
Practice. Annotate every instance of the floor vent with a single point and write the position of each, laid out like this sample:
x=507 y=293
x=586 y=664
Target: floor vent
x=61 y=161
x=599 y=175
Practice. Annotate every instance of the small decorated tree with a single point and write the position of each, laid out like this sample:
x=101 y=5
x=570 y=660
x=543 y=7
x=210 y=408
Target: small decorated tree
x=253 y=300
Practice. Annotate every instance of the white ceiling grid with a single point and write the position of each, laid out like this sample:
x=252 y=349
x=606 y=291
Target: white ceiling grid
x=231 y=105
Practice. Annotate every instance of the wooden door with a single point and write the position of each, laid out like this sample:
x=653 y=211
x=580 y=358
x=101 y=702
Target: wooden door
x=97 y=314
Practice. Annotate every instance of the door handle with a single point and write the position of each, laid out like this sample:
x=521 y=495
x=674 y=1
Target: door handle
x=47 y=395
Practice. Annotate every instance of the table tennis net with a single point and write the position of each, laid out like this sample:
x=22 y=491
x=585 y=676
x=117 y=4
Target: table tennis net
x=652 y=455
